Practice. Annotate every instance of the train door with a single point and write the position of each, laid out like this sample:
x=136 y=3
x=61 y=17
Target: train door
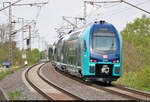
x=85 y=57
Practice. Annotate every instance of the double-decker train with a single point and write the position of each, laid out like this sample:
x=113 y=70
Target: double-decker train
x=93 y=52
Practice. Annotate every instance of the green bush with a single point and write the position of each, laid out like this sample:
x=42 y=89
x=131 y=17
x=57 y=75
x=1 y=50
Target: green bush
x=9 y=71
x=136 y=54
x=3 y=74
x=15 y=95
x=139 y=80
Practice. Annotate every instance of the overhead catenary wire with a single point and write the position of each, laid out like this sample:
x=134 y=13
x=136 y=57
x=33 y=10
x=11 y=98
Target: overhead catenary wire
x=31 y=4
x=23 y=27
x=10 y=5
x=135 y=6
x=93 y=3
x=122 y=10
x=110 y=2
x=5 y=13
x=125 y=9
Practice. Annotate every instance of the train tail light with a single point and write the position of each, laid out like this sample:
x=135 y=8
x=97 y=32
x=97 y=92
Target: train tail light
x=115 y=61
x=92 y=60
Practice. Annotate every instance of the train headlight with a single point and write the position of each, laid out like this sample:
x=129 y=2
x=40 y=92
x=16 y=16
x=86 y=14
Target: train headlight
x=117 y=70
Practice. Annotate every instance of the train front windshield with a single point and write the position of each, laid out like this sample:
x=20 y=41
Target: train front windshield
x=104 y=40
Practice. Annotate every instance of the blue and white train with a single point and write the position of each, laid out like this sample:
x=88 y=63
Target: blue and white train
x=93 y=52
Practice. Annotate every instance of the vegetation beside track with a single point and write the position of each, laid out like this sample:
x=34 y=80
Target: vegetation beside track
x=15 y=95
x=17 y=53
x=136 y=54
x=139 y=80
x=8 y=71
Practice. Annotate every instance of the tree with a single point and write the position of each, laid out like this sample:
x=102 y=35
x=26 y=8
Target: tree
x=42 y=55
x=34 y=56
x=136 y=44
x=138 y=32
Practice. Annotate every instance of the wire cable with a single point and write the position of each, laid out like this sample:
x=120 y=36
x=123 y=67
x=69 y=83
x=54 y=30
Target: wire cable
x=122 y=10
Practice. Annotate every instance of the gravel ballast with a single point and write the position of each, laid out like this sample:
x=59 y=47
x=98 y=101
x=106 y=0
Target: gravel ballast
x=75 y=87
x=14 y=82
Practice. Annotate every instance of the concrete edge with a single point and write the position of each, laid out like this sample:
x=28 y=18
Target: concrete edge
x=3 y=95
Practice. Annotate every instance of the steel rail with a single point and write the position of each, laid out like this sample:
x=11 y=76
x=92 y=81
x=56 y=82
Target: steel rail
x=94 y=85
x=147 y=94
x=108 y=88
x=55 y=86
x=34 y=86
x=127 y=92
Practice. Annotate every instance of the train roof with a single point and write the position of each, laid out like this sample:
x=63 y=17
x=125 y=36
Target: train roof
x=90 y=24
x=65 y=37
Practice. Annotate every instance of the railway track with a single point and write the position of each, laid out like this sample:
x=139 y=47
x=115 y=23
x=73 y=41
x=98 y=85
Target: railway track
x=44 y=87
x=125 y=92
x=115 y=89
x=81 y=89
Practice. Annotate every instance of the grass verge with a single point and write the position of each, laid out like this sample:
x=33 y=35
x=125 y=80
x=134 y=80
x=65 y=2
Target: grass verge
x=8 y=71
x=15 y=95
x=139 y=80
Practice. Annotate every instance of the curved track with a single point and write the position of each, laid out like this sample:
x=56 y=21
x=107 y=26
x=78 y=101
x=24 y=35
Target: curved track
x=45 y=87
x=124 y=91
x=61 y=94
x=33 y=85
x=80 y=89
x=115 y=89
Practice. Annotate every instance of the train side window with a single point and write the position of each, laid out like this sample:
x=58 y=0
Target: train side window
x=84 y=46
x=79 y=51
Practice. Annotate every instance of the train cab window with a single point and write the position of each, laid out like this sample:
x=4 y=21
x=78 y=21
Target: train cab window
x=104 y=40
x=84 y=46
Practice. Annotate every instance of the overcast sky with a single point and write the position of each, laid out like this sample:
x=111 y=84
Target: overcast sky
x=51 y=15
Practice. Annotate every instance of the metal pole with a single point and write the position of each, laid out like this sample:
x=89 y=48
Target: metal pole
x=76 y=21
x=23 y=34
x=10 y=32
x=39 y=45
x=23 y=52
x=30 y=44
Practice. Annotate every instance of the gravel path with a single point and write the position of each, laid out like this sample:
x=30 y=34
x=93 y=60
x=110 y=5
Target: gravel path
x=14 y=82
x=75 y=87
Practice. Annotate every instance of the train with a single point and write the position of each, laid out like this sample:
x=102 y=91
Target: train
x=50 y=53
x=93 y=52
